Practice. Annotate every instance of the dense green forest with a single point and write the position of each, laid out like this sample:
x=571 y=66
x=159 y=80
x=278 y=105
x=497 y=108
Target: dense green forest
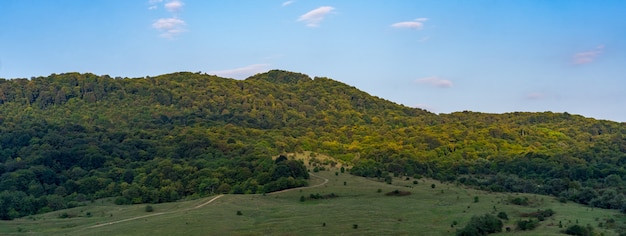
x=68 y=138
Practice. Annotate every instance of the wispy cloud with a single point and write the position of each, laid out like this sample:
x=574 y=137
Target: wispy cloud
x=535 y=96
x=287 y=3
x=153 y=4
x=587 y=57
x=170 y=27
x=435 y=81
x=174 y=6
x=314 y=17
x=416 y=24
x=242 y=72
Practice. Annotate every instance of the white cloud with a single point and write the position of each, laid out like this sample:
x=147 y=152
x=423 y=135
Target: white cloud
x=314 y=17
x=287 y=3
x=169 y=26
x=174 y=6
x=242 y=72
x=587 y=56
x=416 y=24
x=435 y=81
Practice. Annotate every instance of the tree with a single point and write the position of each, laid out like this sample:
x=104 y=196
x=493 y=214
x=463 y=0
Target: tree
x=481 y=225
x=503 y=215
x=579 y=230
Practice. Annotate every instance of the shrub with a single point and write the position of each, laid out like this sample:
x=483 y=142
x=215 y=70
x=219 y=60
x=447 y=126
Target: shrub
x=579 y=230
x=388 y=179
x=503 y=215
x=527 y=224
x=398 y=193
x=520 y=201
x=432 y=186
x=239 y=213
x=149 y=208
x=481 y=225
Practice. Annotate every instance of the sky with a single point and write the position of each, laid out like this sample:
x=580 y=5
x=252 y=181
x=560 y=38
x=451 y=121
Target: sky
x=444 y=56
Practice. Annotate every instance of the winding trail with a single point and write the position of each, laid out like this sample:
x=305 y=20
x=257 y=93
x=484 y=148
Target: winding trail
x=204 y=204
x=209 y=201
x=156 y=214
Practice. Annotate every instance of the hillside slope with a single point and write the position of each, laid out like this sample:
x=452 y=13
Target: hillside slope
x=71 y=137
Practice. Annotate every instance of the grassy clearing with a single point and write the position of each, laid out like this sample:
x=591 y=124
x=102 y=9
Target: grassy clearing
x=362 y=208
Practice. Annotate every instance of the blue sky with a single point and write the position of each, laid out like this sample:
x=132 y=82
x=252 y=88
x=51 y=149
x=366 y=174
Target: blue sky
x=444 y=56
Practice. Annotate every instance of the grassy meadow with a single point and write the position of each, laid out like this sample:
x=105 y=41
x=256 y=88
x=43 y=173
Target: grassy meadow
x=360 y=208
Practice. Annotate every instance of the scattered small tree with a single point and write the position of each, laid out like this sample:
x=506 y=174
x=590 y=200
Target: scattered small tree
x=481 y=225
x=527 y=224
x=388 y=179
x=579 y=230
x=503 y=215
x=432 y=186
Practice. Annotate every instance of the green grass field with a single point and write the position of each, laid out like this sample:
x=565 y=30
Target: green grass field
x=359 y=209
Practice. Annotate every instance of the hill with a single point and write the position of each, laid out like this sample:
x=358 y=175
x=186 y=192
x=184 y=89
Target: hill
x=73 y=137
x=359 y=207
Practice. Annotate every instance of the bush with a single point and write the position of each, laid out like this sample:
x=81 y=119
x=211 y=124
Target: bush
x=239 y=213
x=527 y=225
x=398 y=193
x=503 y=215
x=520 y=201
x=579 y=230
x=388 y=179
x=149 y=208
x=481 y=225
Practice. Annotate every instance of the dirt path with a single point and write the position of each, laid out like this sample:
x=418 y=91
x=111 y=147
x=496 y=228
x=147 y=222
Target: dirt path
x=204 y=204
x=124 y=220
x=156 y=214
x=209 y=201
x=314 y=186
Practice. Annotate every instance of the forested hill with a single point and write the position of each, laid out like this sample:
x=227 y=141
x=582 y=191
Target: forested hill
x=71 y=137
